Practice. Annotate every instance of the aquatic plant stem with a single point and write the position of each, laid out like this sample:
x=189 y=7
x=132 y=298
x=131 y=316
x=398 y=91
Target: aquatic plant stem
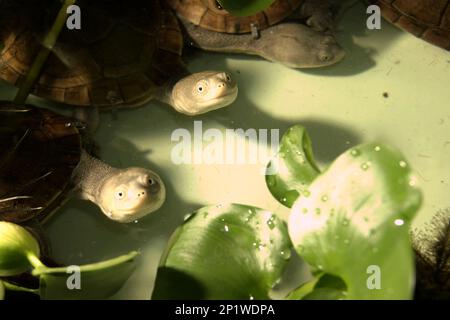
x=13 y=287
x=35 y=262
x=47 y=46
x=42 y=270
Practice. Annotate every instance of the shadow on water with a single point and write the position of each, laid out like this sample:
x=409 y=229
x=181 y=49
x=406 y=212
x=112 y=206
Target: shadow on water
x=329 y=139
x=358 y=59
x=351 y=26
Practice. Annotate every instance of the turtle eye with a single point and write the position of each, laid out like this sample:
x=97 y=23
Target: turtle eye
x=201 y=87
x=120 y=194
x=325 y=57
x=227 y=77
x=150 y=181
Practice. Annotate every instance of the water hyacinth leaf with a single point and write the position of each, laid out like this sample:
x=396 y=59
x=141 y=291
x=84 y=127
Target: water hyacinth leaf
x=328 y=287
x=302 y=291
x=354 y=224
x=244 y=8
x=293 y=168
x=18 y=249
x=96 y=281
x=224 y=252
x=322 y=287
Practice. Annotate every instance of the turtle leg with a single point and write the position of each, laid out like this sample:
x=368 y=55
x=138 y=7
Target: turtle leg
x=319 y=14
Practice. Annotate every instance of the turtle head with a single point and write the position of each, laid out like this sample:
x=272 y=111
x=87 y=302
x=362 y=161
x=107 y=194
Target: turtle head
x=203 y=91
x=129 y=194
x=297 y=46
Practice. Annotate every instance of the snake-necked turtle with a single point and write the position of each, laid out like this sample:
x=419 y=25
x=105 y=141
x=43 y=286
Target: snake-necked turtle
x=426 y=19
x=42 y=163
x=295 y=33
x=125 y=54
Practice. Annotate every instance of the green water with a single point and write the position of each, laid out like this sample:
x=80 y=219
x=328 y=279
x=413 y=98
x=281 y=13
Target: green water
x=391 y=87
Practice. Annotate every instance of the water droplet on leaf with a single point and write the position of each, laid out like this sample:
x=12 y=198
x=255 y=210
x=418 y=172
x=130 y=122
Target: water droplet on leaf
x=285 y=254
x=365 y=166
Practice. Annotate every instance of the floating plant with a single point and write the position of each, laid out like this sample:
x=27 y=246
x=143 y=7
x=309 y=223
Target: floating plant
x=19 y=253
x=349 y=222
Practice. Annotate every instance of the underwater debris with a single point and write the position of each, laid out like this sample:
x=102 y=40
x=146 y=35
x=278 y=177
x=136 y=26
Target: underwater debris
x=432 y=248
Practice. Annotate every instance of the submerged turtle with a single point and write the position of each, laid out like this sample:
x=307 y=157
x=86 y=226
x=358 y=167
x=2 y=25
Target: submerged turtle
x=426 y=19
x=43 y=162
x=295 y=33
x=123 y=55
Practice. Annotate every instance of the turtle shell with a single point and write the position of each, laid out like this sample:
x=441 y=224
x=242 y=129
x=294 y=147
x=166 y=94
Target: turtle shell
x=40 y=150
x=426 y=19
x=210 y=15
x=122 y=55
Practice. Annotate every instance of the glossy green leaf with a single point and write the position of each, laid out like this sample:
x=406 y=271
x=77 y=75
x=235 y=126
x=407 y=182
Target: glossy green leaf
x=96 y=281
x=354 y=223
x=303 y=290
x=322 y=287
x=18 y=249
x=246 y=7
x=224 y=252
x=328 y=287
x=293 y=168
